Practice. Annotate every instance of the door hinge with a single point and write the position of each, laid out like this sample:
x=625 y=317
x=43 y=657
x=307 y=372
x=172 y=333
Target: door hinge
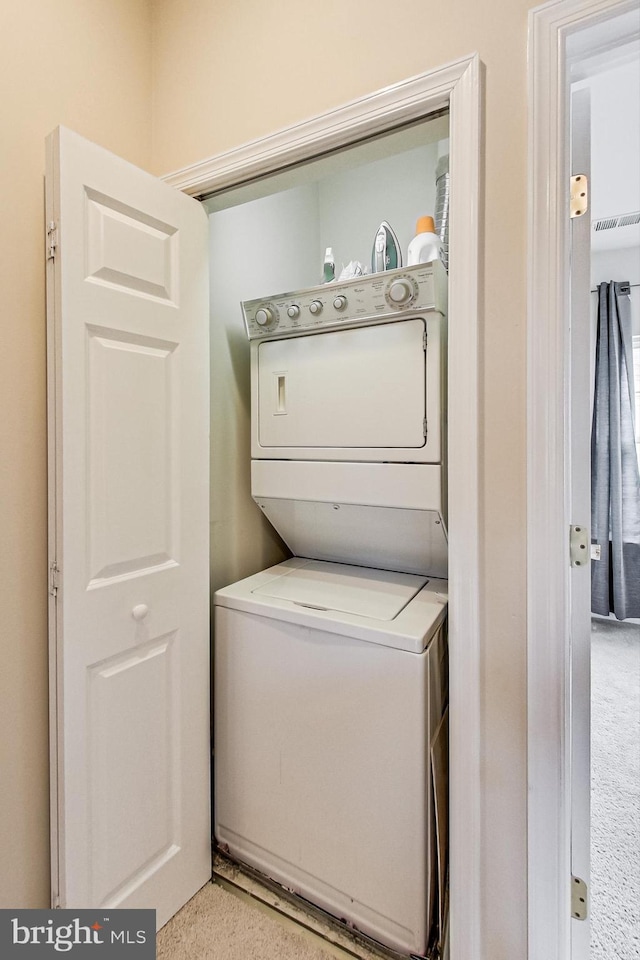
x=424 y=341
x=579 y=904
x=579 y=553
x=579 y=195
x=52 y=239
x=54 y=578
x=424 y=428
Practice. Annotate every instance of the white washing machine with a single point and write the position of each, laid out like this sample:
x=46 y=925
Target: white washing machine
x=330 y=668
x=330 y=681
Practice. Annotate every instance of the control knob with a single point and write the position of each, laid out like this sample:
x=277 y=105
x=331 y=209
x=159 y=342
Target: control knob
x=264 y=316
x=315 y=307
x=293 y=311
x=400 y=291
x=340 y=303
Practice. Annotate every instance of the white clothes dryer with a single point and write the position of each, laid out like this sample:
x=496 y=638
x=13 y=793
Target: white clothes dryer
x=330 y=682
x=348 y=419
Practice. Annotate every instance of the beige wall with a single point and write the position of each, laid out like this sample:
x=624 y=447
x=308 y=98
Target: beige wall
x=233 y=70
x=227 y=71
x=86 y=65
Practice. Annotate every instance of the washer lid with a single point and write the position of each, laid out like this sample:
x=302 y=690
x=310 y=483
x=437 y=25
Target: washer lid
x=376 y=594
x=324 y=598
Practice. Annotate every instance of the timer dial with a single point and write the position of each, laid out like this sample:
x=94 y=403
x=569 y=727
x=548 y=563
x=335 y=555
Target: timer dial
x=400 y=291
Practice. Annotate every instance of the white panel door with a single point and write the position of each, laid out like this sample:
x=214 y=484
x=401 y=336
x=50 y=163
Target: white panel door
x=127 y=294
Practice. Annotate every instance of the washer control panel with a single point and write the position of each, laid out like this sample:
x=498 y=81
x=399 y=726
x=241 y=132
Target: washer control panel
x=376 y=298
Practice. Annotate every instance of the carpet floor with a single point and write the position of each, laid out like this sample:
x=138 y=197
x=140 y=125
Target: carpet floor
x=615 y=790
x=218 y=925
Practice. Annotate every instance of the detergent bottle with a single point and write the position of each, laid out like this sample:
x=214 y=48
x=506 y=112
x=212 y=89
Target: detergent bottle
x=426 y=245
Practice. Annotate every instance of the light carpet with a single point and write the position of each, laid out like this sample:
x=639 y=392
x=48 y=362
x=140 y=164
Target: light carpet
x=218 y=925
x=615 y=790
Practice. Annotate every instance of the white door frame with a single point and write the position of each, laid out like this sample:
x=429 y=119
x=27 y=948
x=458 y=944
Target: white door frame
x=458 y=86
x=548 y=569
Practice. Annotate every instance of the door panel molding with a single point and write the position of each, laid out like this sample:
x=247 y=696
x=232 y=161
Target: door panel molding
x=548 y=610
x=459 y=86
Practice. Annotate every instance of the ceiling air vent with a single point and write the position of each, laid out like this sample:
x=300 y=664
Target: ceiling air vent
x=622 y=220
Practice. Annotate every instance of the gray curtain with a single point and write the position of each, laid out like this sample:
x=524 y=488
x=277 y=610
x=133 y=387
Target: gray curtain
x=615 y=479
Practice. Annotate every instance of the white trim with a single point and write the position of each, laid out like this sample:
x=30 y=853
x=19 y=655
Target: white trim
x=54 y=444
x=465 y=714
x=459 y=85
x=549 y=821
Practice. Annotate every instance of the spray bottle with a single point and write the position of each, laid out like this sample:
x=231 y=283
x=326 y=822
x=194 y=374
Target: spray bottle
x=329 y=266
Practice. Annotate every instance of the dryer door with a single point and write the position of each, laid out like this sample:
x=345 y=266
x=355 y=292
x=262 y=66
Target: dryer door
x=346 y=390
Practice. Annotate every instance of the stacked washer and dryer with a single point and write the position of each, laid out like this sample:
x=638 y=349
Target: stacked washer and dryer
x=331 y=668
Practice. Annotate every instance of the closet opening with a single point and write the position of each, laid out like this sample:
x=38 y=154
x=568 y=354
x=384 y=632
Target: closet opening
x=269 y=238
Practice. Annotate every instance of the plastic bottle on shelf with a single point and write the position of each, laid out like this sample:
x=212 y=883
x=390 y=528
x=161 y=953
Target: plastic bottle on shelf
x=426 y=245
x=329 y=266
